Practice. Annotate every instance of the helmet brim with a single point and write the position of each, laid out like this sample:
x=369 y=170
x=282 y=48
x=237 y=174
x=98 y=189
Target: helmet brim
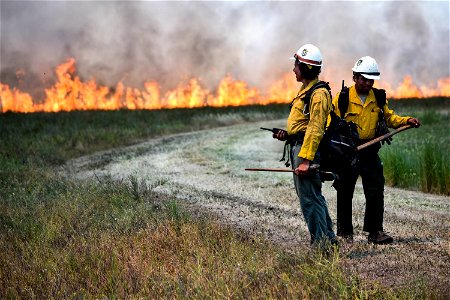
x=368 y=76
x=374 y=77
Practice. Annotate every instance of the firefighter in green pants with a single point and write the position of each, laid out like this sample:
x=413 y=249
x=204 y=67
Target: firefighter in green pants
x=305 y=128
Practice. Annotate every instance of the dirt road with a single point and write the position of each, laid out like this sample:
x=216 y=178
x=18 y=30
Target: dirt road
x=205 y=169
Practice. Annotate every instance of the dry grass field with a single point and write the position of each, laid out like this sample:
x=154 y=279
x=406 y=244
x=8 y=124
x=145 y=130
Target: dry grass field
x=205 y=170
x=123 y=204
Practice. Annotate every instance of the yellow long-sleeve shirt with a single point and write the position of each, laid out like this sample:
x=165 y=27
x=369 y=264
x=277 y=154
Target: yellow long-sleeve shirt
x=366 y=115
x=312 y=124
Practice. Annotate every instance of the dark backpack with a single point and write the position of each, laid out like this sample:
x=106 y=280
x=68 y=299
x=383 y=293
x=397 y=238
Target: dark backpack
x=338 y=147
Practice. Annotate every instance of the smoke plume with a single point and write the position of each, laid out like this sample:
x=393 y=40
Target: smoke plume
x=170 y=42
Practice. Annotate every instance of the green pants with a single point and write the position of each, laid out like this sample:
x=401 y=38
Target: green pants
x=312 y=202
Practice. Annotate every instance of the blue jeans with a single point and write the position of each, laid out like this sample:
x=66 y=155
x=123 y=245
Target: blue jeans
x=312 y=202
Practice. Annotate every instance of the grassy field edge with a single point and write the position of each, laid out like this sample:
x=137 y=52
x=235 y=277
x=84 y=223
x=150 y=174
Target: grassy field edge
x=62 y=238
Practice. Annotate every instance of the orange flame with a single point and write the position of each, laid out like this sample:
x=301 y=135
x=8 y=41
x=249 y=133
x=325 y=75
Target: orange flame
x=15 y=100
x=407 y=89
x=71 y=93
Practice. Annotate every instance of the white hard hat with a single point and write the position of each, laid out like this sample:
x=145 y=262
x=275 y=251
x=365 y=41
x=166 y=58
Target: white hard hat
x=367 y=67
x=309 y=54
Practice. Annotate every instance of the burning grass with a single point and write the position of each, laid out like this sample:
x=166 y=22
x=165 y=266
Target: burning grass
x=71 y=93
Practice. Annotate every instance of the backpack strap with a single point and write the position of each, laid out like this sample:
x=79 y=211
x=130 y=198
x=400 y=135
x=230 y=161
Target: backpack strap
x=307 y=98
x=380 y=96
x=344 y=99
x=382 y=127
x=318 y=85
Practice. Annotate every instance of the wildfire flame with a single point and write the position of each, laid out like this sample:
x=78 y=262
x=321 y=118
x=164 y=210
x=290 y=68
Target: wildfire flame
x=407 y=89
x=71 y=93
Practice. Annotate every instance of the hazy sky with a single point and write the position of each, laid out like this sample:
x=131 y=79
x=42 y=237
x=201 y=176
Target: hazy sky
x=170 y=41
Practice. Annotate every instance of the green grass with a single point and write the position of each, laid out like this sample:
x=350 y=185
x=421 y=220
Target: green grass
x=62 y=238
x=48 y=139
x=419 y=159
x=109 y=239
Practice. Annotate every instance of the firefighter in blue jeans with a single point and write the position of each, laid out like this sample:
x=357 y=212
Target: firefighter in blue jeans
x=305 y=128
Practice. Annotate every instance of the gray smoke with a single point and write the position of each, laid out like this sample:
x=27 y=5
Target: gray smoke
x=252 y=41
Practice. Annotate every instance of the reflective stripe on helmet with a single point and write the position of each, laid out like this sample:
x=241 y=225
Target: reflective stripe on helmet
x=307 y=61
